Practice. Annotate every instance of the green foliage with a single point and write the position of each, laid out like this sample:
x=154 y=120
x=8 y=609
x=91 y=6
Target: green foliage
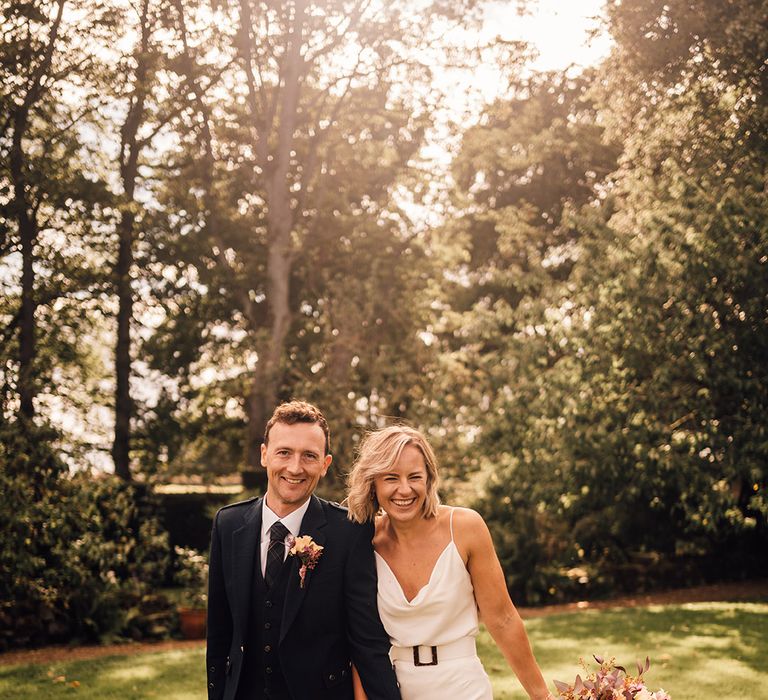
x=191 y=574
x=54 y=203
x=614 y=323
x=80 y=557
x=356 y=304
x=583 y=338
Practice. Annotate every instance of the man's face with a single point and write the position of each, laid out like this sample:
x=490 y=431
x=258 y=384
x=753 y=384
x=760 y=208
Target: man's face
x=295 y=461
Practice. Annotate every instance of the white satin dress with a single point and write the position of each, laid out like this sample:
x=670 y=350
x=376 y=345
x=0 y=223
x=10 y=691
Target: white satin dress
x=444 y=615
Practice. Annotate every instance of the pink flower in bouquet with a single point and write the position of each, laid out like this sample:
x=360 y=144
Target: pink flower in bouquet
x=610 y=682
x=308 y=552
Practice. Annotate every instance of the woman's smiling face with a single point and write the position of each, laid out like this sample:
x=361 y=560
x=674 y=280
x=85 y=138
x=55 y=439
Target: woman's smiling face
x=402 y=490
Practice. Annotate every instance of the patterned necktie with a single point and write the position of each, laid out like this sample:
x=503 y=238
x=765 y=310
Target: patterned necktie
x=275 y=552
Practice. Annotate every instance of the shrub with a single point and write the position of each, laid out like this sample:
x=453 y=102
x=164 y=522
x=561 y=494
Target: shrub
x=191 y=575
x=81 y=558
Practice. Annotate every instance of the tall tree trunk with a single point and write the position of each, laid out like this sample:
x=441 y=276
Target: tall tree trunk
x=280 y=222
x=27 y=222
x=28 y=236
x=129 y=165
x=121 y=446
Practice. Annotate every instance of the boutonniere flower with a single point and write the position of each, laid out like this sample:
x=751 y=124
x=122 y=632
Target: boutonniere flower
x=308 y=552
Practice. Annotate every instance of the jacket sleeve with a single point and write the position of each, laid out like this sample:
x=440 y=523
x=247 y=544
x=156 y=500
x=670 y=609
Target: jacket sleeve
x=369 y=641
x=219 y=626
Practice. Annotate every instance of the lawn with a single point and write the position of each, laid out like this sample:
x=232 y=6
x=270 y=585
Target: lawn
x=699 y=651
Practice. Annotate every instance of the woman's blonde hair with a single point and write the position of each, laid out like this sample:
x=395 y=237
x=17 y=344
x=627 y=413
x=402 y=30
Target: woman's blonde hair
x=379 y=451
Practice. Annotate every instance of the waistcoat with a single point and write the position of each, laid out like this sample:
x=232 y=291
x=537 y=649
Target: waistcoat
x=262 y=676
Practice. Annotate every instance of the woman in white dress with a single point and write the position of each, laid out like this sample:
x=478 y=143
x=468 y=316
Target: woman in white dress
x=437 y=568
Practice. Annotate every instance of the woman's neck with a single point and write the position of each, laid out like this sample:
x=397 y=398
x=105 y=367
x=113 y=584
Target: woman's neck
x=409 y=530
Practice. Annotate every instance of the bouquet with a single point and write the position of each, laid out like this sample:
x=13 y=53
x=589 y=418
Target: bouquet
x=610 y=682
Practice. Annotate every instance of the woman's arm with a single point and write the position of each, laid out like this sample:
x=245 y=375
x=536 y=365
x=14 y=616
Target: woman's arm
x=496 y=609
x=357 y=685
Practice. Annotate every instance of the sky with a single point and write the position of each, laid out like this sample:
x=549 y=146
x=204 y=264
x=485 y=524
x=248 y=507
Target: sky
x=558 y=28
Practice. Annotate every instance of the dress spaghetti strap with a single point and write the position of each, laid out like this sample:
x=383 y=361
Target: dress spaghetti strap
x=451 y=521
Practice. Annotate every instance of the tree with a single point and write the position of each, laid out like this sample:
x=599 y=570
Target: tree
x=159 y=63
x=682 y=273
x=626 y=403
x=531 y=161
x=48 y=190
x=310 y=64
x=302 y=161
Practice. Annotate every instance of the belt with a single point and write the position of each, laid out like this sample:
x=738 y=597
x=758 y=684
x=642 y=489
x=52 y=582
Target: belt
x=426 y=655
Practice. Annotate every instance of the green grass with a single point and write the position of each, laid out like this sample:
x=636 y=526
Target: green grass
x=700 y=651
x=168 y=675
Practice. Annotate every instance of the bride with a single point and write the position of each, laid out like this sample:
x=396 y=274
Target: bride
x=436 y=568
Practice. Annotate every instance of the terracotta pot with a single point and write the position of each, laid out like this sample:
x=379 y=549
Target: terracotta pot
x=192 y=622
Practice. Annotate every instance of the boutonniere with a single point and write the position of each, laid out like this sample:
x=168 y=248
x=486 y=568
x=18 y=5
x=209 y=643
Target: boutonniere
x=308 y=552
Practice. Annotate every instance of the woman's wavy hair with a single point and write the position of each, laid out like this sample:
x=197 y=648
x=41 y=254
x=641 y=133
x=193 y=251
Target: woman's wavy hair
x=378 y=453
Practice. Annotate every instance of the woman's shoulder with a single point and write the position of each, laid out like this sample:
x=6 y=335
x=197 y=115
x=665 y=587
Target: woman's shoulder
x=469 y=530
x=462 y=517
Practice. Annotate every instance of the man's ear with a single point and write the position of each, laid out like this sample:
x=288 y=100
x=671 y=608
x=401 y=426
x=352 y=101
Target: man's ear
x=264 y=455
x=328 y=460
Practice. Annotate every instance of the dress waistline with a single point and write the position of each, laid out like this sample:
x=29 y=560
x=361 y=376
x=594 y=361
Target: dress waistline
x=426 y=655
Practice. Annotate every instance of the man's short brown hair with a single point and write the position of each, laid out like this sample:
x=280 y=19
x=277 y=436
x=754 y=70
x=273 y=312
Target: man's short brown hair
x=299 y=412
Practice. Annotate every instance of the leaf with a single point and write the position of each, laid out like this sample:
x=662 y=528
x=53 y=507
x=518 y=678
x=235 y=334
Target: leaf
x=562 y=687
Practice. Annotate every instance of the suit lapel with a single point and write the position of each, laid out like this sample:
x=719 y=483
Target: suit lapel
x=245 y=559
x=312 y=523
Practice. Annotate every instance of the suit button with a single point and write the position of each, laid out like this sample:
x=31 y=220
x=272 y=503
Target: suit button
x=268 y=603
x=331 y=677
x=267 y=648
x=210 y=685
x=212 y=669
x=267 y=625
x=242 y=648
x=268 y=669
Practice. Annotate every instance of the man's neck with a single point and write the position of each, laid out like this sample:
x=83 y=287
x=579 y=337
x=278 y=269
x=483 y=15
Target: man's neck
x=282 y=509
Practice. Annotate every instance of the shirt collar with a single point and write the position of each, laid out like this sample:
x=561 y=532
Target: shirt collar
x=292 y=521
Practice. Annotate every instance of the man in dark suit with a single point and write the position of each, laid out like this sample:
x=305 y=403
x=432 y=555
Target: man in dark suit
x=278 y=630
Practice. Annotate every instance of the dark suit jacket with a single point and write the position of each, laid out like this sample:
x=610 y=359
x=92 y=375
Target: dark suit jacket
x=326 y=623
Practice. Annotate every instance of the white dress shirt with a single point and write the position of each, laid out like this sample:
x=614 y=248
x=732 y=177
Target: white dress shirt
x=292 y=522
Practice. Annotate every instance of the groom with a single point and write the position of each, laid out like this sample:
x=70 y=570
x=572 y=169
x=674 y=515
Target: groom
x=278 y=630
